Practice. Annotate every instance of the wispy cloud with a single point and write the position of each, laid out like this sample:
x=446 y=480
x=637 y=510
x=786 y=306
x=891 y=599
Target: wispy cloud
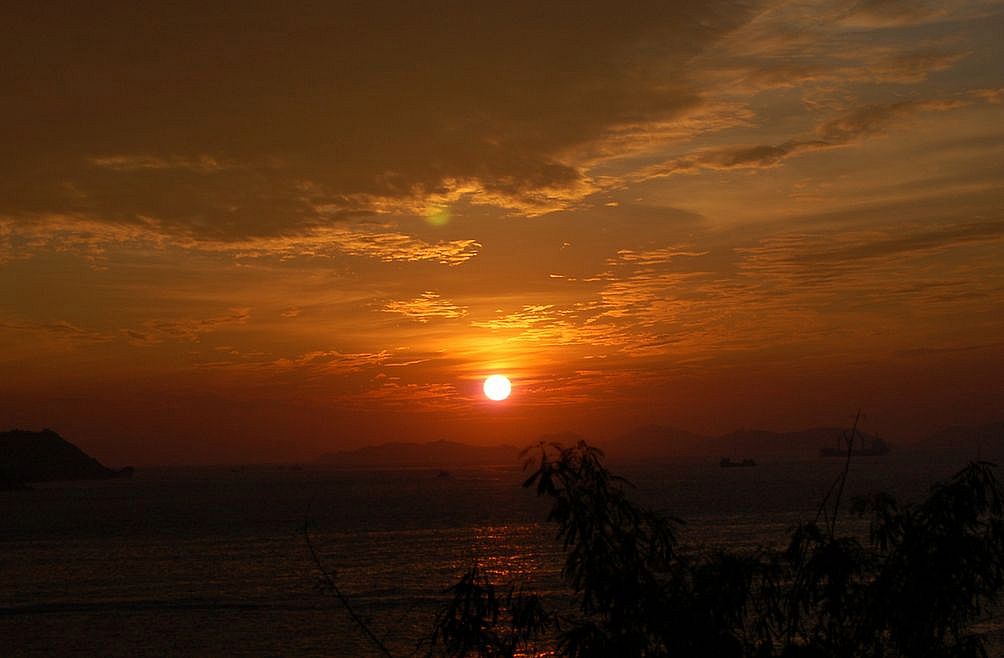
x=659 y=256
x=891 y=13
x=20 y=240
x=187 y=329
x=60 y=330
x=601 y=324
x=817 y=258
x=331 y=361
x=526 y=317
x=843 y=130
x=877 y=119
x=413 y=396
x=93 y=238
x=427 y=306
x=205 y=164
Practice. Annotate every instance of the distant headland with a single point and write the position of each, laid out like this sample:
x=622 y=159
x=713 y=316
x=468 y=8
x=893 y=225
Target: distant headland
x=436 y=454
x=659 y=442
x=27 y=457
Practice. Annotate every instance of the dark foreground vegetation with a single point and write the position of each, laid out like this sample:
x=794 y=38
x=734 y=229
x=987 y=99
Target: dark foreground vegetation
x=915 y=588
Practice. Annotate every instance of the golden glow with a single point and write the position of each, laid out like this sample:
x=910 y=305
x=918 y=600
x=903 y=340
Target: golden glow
x=497 y=387
x=808 y=218
x=437 y=215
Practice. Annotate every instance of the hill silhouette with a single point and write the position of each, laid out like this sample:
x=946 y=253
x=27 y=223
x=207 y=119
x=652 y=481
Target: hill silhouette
x=649 y=442
x=45 y=456
x=656 y=441
x=663 y=442
x=984 y=441
x=435 y=454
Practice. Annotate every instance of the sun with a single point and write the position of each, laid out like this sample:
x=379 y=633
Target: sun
x=497 y=387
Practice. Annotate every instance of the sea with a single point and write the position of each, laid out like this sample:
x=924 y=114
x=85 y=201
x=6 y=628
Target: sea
x=214 y=561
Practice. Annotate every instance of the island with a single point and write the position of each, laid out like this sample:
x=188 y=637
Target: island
x=27 y=457
x=435 y=454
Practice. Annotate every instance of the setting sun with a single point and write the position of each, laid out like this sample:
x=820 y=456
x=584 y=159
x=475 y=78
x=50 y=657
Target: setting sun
x=497 y=387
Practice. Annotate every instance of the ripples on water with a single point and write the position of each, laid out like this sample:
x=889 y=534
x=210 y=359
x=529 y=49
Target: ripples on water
x=212 y=561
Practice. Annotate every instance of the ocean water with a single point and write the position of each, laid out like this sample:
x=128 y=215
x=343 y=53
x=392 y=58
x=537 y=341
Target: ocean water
x=213 y=561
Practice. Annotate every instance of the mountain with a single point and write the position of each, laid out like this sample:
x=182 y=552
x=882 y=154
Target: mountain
x=661 y=442
x=436 y=454
x=45 y=456
x=803 y=443
x=984 y=441
x=655 y=441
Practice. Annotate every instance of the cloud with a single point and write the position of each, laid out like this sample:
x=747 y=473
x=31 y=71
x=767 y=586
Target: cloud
x=831 y=67
x=660 y=256
x=92 y=238
x=637 y=294
x=828 y=50
x=903 y=67
x=955 y=349
x=278 y=118
x=733 y=157
x=526 y=317
x=827 y=257
x=330 y=361
x=891 y=13
x=312 y=369
x=846 y=129
x=678 y=307
x=876 y=119
x=299 y=120
x=427 y=306
x=593 y=324
x=188 y=329
x=203 y=163
x=61 y=330
x=21 y=240
x=413 y=396
x=929 y=272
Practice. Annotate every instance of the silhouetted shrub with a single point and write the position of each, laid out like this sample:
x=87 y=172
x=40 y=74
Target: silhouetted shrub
x=913 y=589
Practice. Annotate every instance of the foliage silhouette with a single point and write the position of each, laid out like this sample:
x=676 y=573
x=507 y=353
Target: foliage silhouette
x=914 y=589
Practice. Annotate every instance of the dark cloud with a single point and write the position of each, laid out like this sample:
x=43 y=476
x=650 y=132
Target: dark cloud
x=57 y=329
x=217 y=120
x=935 y=351
x=872 y=119
x=733 y=157
x=848 y=260
x=832 y=66
x=189 y=329
x=891 y=13
x=844 y=129
x=896 y=244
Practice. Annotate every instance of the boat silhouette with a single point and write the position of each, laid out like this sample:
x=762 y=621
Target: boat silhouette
x=725 y=462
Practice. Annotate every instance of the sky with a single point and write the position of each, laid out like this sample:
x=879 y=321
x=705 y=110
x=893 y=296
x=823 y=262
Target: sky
x=265 y=230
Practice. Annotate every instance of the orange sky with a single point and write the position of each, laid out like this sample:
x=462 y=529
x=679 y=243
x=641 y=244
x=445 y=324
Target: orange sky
x=259 y=233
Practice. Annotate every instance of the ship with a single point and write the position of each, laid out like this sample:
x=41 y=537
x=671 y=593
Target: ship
x=725 y=462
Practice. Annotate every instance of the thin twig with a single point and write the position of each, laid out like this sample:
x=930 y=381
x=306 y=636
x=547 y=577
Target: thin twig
x=843 y=476
x=329 y=582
